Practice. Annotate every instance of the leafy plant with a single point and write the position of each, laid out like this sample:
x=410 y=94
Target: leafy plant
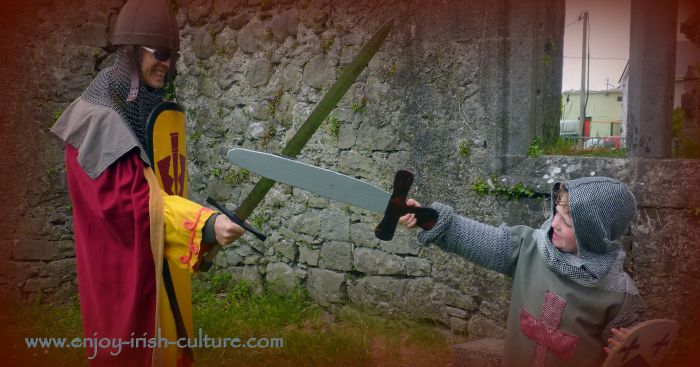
x=170 y=91
x=480 y=186
x=258 y=220
x=391 y=71
x=547 y=59
x=493 y=187
x=236 y=176
x=465 y=149
x=241 y=291
x=191 y=114
x=327 y=44
x=519 y=190
x=55 y=116
x=360 y=106
x=333 y=125
x=535 y=150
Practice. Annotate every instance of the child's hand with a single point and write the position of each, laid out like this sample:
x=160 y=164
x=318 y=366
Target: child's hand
x=409 y=220
x=618 y=337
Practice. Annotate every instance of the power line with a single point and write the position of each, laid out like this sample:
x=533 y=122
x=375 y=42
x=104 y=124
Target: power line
x=598 y=58
x=573 y=22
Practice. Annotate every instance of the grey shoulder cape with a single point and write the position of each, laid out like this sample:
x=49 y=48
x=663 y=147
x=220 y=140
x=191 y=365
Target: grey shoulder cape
x=99 y=133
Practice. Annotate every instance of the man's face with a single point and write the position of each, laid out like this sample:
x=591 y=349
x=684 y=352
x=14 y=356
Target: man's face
x=153 y=70
x=563 y=235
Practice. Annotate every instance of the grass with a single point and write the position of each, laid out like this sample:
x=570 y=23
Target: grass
x=312 y=336
x=567 y=147
x=34 y=319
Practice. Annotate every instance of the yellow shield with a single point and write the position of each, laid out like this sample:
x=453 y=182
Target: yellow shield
x=167 y=150
x=167 y=147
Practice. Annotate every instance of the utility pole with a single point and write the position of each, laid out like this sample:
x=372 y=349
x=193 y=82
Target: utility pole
x=584 y=57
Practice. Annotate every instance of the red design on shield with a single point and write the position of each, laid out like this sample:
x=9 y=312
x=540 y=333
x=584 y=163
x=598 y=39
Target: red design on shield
x=544 y=332
x=175 y=184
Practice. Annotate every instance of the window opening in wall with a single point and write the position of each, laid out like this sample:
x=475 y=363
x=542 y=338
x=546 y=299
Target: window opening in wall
x=596 y=52
x=686 y=89
x=596 y=73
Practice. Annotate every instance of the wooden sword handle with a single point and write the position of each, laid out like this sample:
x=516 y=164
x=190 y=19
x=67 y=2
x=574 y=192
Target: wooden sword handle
x=426 y=217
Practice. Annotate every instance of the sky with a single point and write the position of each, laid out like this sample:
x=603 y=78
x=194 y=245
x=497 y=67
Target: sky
x=609 y=24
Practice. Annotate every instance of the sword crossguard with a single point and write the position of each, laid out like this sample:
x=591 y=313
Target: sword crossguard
x=208 y=258
x=234 y=218
x=426 y=217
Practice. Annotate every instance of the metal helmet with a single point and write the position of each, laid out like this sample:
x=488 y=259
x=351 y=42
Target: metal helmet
x=148 y=23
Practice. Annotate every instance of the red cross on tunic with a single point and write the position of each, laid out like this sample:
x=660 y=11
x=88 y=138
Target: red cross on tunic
x=545 y=331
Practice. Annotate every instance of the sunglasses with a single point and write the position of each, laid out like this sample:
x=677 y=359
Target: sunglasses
x=160 y=55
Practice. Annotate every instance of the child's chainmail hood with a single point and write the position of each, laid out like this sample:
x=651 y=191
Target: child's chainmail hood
x=602 y=209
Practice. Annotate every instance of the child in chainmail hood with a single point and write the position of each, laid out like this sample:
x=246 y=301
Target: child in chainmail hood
x=570 y=294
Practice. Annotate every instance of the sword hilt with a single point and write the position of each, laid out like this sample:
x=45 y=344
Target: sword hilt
x=426 y=218
x=234 y=218
x=208 y=258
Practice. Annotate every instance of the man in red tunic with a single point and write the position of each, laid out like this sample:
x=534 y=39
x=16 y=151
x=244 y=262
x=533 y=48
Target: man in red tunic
x=127 y=230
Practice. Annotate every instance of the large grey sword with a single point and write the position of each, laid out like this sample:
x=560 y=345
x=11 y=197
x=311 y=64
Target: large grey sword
x=294 y=145
x=339 y=187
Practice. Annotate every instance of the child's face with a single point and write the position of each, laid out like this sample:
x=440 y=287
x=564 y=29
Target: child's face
x=563 y=235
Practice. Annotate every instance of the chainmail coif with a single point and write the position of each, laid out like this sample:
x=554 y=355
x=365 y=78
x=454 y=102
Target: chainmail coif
x=601 y=209
x=111 y=87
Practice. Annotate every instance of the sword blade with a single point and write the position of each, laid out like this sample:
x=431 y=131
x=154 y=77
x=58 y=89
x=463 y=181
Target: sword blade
x=310 y=125
x=319 y=114
x=320 y=181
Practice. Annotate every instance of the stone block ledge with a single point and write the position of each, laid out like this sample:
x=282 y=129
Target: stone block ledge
x=660 y=183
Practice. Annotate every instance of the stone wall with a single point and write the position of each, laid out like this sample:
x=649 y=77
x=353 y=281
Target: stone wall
x=50 y=52
x=439 y=98
x=456 y=94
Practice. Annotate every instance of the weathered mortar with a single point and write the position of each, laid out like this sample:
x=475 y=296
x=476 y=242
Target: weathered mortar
x=449 y=75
